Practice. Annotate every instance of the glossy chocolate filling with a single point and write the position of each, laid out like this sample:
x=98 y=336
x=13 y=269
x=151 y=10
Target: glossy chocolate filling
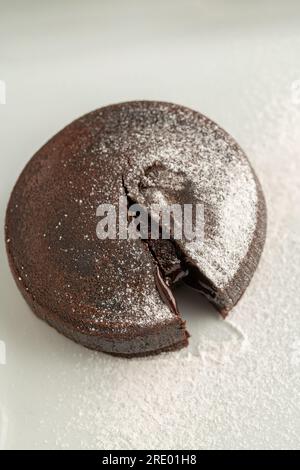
x=182 y=268
x=173 y=265
x=165 y=292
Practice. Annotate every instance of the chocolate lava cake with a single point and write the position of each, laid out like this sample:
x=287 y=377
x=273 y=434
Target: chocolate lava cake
x=115 y=295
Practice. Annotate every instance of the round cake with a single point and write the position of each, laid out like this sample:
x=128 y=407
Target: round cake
x=115 y=295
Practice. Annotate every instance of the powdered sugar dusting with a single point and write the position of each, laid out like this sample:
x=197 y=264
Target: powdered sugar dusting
x=177 y=155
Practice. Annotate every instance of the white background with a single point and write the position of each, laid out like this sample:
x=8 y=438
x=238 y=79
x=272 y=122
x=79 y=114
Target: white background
x=238 y=384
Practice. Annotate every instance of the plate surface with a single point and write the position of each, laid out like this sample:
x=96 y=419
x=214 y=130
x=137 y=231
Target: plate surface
x=238 y=383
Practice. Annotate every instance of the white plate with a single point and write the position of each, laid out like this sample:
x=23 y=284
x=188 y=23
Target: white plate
x=237 y=386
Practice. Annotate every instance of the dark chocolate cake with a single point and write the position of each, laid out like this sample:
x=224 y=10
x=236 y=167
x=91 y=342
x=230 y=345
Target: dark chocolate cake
x=115 y=295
